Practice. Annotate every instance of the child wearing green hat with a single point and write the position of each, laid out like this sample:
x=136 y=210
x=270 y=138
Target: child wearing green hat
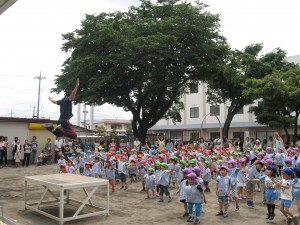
x=150 y=183
x=157 y=175
x=206 y=176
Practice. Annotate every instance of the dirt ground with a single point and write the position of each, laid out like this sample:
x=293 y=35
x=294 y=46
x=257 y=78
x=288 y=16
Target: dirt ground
x=126 y=207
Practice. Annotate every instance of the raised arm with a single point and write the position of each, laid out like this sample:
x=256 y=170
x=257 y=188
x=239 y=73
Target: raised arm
x=52 y=100
x=73 y=94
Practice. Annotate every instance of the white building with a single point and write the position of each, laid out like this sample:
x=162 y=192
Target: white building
x=120 y=126
x=196 y=108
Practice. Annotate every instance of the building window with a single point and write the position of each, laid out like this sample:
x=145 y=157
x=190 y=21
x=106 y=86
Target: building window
x=241 y=111
x=193 y=88
x=194 y=136
x=215 y=109
x=176 y=135
x=194 y=112
x=238 y=134
x=116 y=126
x=214 y=135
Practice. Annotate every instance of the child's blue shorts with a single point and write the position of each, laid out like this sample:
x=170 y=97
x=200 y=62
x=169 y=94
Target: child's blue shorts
x=286 y=203
x=271 y=195
x=297 y=193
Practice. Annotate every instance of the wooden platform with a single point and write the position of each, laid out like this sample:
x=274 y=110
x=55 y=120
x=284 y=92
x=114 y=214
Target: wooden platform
x=64 y=183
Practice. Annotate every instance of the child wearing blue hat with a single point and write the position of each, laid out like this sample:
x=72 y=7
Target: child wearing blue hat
x=286 y=195
x=271 y=193
x=223 y=191
x=253 y=173
x=297 y=188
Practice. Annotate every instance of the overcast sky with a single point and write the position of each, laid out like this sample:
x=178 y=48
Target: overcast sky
x=30 y=42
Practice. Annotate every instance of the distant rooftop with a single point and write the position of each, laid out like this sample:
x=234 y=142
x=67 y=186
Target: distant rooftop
x=294 y=59
x=111 y=121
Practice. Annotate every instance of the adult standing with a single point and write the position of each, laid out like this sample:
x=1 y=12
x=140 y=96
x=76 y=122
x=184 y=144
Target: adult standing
x=57 y=148
x=13 y=147
x=113 y=145
x=247 y=143
x=34 y=147
x=217 y=142
x=161 y=142
x=147 y=143
x=278 y=141
x=96 y=144
x=240 y=143
x=122 y=144
x=6 y=147
x=271 y=142
x=1 y=150
x=27 y=153
x=129 y=143
x=202 y=143
x=48 y=147
x=136 y=144
x=18 y=147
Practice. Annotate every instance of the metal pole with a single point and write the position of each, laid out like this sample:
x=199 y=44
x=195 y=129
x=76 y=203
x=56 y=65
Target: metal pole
x=221 y=136
x=39 y=94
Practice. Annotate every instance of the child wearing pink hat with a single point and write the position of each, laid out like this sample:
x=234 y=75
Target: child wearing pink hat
x=233 y=172
x=241 y=178
x=182 y=192
x=194 y=196
x=110 y=174
x=143 y=172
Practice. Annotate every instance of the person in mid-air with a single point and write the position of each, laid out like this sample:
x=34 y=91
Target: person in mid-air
x=64 y=127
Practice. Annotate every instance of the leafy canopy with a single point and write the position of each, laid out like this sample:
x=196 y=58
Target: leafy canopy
x=143 y=60
x=280 y=97
x=240 y=67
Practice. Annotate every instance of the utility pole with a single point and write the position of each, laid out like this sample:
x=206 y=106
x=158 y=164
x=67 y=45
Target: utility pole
x=33 y=115
x=84 y=115
x=39 y=94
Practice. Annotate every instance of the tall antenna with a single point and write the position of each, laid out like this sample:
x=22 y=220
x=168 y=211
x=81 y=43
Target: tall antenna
x=39 y=94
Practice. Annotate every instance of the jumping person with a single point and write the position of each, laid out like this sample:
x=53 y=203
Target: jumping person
x=64 y=127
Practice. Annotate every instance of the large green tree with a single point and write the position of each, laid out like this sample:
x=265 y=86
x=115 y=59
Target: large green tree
x=280 y=98
x=240 y=66
x=143 y=60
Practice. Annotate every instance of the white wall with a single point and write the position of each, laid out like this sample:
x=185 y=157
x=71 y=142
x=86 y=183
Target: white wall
x=12 y=130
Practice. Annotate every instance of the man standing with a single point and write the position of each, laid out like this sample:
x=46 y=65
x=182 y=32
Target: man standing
x=64 y=127
x=34 y=147
x=57 y=148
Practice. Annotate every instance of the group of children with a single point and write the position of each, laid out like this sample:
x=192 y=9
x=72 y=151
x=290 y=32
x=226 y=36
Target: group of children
x=236 y=174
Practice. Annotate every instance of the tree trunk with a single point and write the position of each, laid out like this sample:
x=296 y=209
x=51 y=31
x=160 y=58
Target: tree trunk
x=142 y=134
x=296 y=125
x=286 y=132
x=134 y=126
x=139 y=129
x=231 y=113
